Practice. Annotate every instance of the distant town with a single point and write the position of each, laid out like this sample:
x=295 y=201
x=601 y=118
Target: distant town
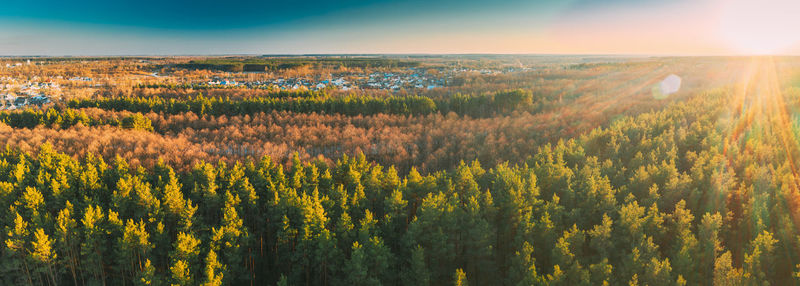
x=36 y=91
x=30 y=93
x=413 y=78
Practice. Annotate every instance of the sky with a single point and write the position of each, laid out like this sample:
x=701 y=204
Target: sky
x=200 y=27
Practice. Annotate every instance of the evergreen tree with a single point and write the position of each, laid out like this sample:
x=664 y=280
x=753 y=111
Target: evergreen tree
x=460 y=278
x=213 y=270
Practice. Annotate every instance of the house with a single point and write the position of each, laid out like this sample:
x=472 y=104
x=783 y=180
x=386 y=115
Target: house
x=21 y=101
x=39 y=100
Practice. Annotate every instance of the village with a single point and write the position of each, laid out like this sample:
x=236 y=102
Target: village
x=17 y=93
x=413 y=78
x=14 y=96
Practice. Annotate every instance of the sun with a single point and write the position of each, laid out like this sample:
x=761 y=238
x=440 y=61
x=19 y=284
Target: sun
x=759 y=27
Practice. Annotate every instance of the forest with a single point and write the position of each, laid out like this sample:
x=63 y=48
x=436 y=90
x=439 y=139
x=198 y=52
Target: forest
x=234 y=64
x=573 y=172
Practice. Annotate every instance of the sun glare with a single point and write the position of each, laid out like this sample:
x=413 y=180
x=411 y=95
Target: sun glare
x=759 y=27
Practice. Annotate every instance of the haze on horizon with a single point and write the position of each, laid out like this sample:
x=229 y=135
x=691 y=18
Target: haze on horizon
x=149 y=27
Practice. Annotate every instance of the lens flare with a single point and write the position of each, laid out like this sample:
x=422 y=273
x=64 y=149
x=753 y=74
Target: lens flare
x=671 y=84
x=759 y=27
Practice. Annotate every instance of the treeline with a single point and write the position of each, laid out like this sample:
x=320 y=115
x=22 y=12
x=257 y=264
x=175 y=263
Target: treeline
x=486 y=104
x=237 y=66
x=349 y=105
x=471 y=105
x=178 y=92
x=276 y=64
x=66 y=118
x=198 y=86
x=206 y=86
x=696 y=194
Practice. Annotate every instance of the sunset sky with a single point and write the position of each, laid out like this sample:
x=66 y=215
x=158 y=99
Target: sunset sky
x=152 y=27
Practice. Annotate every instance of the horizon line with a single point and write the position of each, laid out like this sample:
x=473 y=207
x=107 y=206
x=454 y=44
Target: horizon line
x=640 y=55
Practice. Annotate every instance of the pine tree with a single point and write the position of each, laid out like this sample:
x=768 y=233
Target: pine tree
x=134 y=248
x=567 y=254
x=709 y=246
x=523 y=268
x=180 y=273
x=15 y=256
x=184 y=258
x=44 y=256
x=93 y=248
x=759 y=262
x=68 y=241
x=600 y=237
x=417 y=274
x=686 y=246
x=213 y=270
x=356 y=269
x=725 y=273
x=147 y=275
x=460 y=278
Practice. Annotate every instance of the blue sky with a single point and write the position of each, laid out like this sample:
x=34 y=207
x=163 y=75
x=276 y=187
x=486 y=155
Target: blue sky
x=149 y=27
x=202 y=15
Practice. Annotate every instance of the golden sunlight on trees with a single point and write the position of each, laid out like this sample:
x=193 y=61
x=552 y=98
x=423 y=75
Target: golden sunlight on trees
x=503 y=186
